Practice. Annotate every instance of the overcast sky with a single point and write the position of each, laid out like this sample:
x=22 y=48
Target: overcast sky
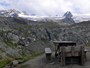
x=48 y=7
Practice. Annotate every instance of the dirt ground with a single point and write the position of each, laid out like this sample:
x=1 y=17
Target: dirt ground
x=41 y=62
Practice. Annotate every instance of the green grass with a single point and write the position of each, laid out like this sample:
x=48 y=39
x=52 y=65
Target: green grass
x=6 y=61
x=10 y=44
x=3 y=62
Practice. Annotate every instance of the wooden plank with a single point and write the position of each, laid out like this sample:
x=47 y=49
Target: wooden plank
x=48 y=53
x=68 y=54
x=72 y=50
x=82 y=55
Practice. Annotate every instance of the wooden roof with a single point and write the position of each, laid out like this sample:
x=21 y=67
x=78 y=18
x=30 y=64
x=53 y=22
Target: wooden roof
x=65 y=43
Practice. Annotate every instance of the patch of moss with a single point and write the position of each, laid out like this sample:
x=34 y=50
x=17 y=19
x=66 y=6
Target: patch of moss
x=3 y=62
x=9 y=43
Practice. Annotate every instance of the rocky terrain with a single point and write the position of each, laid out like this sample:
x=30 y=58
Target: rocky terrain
x=20 y=37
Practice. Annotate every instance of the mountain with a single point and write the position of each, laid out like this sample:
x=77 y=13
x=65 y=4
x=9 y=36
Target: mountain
x=67 y=18
x=68 y=14
x=11 y=13
x=16 y=13
x=35 y=19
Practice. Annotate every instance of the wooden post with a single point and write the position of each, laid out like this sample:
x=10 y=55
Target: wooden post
x=62 y=56
x=59 y=54
x=56 y=50
x=82 y=55
x=72 y=50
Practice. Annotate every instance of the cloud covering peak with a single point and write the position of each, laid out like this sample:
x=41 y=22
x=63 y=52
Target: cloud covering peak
x=47 y=7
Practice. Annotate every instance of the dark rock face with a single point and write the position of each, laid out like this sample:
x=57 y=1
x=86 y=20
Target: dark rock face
x=68 y=18
x=68 y=14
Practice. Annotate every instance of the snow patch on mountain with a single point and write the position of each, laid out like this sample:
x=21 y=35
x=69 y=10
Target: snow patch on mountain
x=68 y=17
x=81 y=17
x=10 y=13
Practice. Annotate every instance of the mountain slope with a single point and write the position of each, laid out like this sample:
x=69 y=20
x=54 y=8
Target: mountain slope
x=21 y=37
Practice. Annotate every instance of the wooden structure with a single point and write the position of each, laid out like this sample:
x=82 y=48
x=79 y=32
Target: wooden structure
x=69 y=53
x=48 y=53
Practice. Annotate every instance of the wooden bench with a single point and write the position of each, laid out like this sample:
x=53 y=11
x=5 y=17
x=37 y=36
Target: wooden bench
x=48 y=53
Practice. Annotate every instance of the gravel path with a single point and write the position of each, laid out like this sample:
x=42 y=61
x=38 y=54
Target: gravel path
x=41 y=62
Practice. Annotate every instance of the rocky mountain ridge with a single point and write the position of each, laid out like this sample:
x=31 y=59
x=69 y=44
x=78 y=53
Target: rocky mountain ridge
x=67 y=17
x=11 y=13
